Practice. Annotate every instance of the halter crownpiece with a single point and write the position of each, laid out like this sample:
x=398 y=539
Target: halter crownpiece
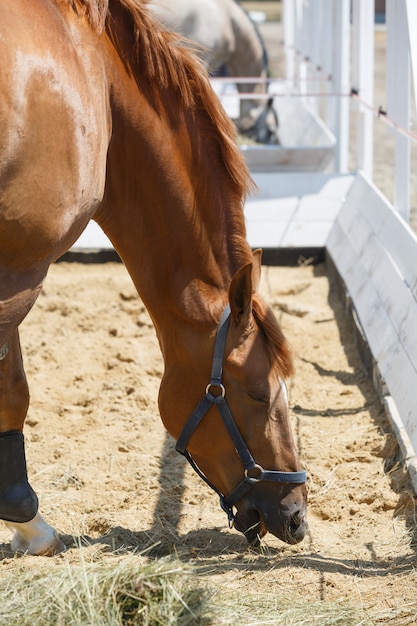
x=253 y=472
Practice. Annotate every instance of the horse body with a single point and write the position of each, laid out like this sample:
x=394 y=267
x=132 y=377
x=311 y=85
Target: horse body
x=87 y=133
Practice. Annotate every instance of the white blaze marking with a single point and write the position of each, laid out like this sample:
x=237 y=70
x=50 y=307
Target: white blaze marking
x=284 y=390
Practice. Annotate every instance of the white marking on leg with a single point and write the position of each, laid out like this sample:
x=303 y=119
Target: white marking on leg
x=35 y=537
x=4 y=351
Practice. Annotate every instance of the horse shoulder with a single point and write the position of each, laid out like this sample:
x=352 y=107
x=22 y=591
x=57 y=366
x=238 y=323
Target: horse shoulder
x=53 y=123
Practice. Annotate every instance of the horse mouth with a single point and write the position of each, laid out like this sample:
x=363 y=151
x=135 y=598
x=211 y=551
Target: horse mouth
x=251 y=524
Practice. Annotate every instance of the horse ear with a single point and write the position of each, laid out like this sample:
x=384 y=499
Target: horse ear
x=240 y=295
x=256 y=268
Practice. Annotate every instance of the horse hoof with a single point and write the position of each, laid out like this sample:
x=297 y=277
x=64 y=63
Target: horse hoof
x=35 y=537
x=41 y=546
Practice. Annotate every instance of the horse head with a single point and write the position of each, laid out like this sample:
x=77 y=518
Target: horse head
x=238 y=438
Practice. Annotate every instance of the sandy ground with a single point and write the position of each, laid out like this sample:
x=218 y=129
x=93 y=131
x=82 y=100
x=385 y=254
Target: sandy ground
x=108 y=477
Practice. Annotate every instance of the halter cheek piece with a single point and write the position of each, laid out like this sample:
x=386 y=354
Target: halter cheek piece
x=253 y=472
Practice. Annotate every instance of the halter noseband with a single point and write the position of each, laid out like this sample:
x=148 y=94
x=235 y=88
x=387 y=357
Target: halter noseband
x=253 y=472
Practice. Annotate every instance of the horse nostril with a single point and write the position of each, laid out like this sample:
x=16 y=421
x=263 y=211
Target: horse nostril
x=295 y=521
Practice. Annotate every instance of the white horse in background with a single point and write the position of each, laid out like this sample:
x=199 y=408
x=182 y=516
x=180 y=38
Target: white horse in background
x=226 y=36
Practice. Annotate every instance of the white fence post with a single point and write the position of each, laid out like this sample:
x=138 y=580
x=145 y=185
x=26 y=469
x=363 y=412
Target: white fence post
x=341 y=82
x=363 y=15
x=326 y=61
x=398 y=98
x=289 y=39
x=411 y=7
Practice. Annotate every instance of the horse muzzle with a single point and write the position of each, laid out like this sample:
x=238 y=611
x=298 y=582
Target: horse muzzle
x=284 y=517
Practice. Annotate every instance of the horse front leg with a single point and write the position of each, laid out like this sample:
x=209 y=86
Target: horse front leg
x=18 y=501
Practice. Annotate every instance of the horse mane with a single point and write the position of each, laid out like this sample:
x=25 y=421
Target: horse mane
x=167 y=61
x=279 y=350
x=94 y=10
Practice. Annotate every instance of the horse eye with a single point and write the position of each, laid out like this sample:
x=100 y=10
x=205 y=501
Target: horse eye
x=258 y=397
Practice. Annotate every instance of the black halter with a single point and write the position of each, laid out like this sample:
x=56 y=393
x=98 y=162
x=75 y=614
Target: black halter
x=253 y=472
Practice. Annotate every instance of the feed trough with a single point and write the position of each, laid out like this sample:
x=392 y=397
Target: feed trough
x=306 y=142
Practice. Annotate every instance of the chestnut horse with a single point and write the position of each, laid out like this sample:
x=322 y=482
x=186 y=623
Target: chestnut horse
x=105 y=116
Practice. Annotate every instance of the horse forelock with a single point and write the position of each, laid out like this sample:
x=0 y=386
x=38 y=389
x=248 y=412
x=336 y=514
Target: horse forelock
x=280 y=353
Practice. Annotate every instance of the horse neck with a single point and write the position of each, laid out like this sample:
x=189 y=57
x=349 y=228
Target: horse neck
x=249 y=57
x=173 y=215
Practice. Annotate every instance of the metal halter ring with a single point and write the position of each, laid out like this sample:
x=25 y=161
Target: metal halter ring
x=257 y=468
x=221 y=387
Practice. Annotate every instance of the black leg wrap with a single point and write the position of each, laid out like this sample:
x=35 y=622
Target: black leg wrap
x=18 y=501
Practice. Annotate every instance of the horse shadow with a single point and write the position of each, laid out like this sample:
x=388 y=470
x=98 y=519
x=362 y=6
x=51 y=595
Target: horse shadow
x=206 y=547
x=219 y=552
x=214 y=550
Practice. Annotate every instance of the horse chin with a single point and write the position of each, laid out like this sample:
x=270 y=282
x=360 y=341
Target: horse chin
x=250 y=524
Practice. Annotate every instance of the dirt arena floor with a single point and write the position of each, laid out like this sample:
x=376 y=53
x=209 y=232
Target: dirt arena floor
x=109 y=478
